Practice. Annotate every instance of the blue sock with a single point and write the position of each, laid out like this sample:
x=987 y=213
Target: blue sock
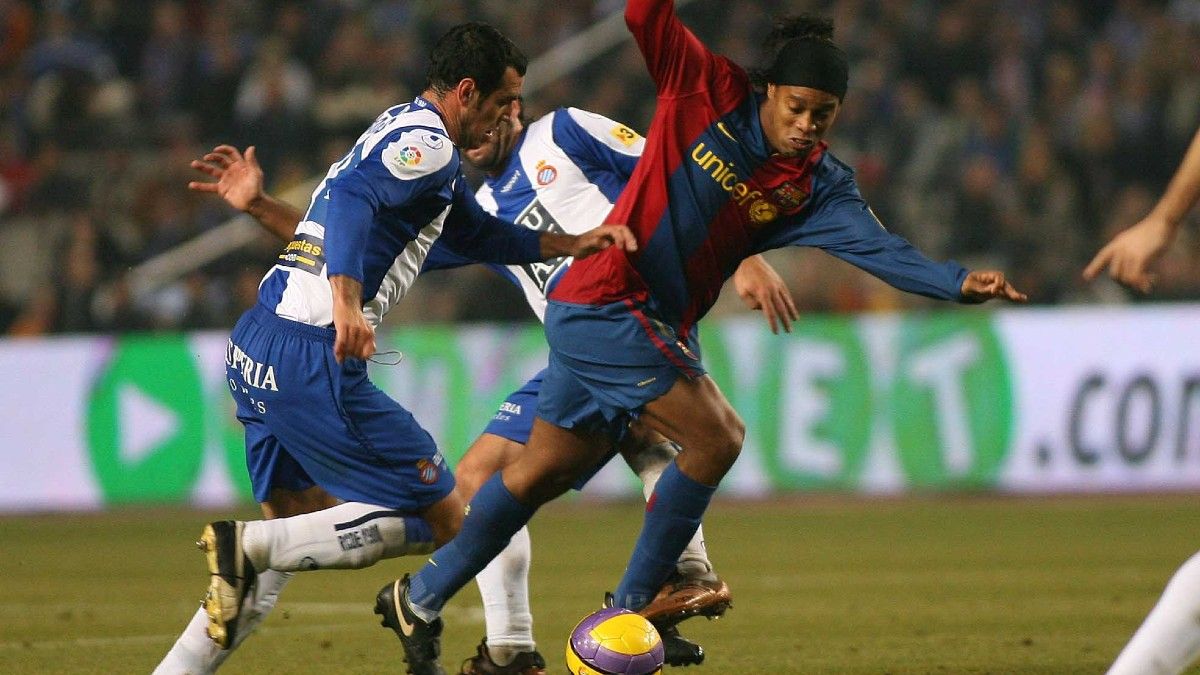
x=672 y=516
x=493 y=517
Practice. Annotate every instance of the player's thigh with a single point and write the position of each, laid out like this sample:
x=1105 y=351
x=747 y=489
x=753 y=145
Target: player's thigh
x=696 y=415
x=282 y=503
x=360 y=445
x=553 y=460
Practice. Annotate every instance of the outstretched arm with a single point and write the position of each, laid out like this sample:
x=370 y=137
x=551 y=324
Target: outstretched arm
x=477 y=235
x=761 y=287
x=239 y=181
x=1131 y=254
x=843 y=225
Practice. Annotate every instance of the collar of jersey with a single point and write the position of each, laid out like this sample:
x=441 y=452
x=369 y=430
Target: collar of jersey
x=426 y=103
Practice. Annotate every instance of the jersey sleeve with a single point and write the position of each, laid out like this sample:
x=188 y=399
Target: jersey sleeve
x=676 y=58
x=400 y=168
x=472 y=233
x=606 y=151
x=442 y=257
x=844 y=226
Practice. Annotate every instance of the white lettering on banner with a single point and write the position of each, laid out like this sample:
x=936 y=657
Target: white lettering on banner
x=253 y=374
x=805 y=405
x=942 y=368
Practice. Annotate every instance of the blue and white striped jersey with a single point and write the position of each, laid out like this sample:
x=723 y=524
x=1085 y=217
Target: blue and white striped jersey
x=376 y=215
x=563 y=176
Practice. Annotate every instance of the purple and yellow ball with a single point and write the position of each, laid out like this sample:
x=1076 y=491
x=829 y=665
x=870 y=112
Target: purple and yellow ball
x=614 y=641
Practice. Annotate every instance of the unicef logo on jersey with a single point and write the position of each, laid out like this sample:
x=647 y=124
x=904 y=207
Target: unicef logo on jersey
x=546 y=173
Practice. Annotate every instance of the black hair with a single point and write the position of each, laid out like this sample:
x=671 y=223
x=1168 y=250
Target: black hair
x=475 y=50
x=804 y=27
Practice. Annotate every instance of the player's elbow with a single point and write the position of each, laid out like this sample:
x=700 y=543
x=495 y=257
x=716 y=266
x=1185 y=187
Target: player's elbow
x=637 y=14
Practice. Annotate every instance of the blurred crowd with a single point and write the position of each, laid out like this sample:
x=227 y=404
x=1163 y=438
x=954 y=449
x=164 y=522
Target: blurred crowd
x=1009 y=133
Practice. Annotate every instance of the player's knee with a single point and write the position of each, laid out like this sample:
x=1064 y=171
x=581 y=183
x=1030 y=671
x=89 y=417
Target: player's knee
x=445 y=519
x=469 y=477
x=727 y=443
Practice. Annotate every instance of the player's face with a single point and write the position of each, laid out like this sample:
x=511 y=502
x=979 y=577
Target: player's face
x=482 y=115
x=796 y=118
x=492 y=156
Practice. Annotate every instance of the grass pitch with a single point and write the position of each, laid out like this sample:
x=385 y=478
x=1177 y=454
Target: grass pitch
x=821 y=585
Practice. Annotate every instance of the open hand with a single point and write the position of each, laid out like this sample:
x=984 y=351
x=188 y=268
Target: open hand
x=761 y=288
x=239 y=178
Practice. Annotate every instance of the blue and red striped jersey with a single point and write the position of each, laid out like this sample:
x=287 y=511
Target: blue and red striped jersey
x=709 y=191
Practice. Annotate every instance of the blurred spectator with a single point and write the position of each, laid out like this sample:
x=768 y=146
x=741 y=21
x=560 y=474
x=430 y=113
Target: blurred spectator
x=1004 y=130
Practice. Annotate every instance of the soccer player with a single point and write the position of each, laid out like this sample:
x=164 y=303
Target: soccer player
x=316 y=427
x=729 y=170
x=1168 y=641
x=561 y=172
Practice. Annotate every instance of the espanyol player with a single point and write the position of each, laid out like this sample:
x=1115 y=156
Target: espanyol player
x=318 y=432
x=734 y=165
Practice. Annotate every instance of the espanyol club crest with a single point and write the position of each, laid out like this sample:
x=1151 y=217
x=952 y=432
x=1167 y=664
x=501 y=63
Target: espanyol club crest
x=546 y=173
x=427 y=471
x=789 y=196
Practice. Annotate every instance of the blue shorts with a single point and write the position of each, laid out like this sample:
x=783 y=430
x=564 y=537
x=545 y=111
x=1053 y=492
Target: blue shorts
x=514 y=418
x=310 y=421
x=608 y=361
x=514 y=421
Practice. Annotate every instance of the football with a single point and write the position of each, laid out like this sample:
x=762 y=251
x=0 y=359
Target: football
x=614 y=641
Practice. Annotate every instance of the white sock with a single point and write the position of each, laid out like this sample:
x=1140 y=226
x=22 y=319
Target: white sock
x=504 y=586
x=649 y=464
x=1168 y=641
x=347 y=536
x=194 y=653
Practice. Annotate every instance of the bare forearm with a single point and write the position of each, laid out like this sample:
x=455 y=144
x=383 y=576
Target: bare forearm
x=1184 y=189
x=277 y=217
x=554 y=244
x=347 y=293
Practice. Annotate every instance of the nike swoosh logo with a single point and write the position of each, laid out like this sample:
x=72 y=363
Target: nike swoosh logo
x=721 y=126
x=405 y=626
x=646 y=382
